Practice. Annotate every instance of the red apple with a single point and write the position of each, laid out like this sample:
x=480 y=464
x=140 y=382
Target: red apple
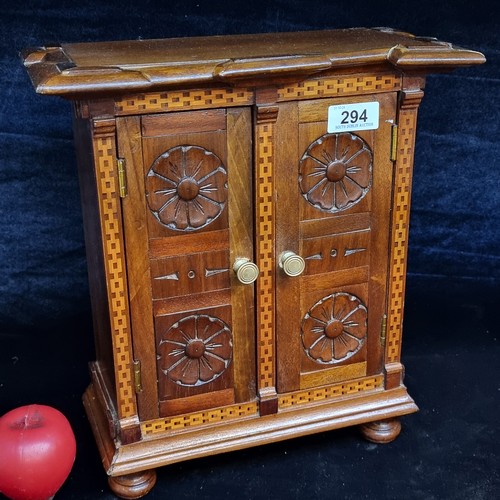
x=37 y=452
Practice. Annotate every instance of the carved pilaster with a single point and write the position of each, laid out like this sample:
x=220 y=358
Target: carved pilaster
x=266 y=116
x=104 y=146
x=407 y=122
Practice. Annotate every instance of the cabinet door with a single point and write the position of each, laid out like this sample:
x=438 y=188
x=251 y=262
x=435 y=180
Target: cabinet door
x=188 y=218
x=333 y=210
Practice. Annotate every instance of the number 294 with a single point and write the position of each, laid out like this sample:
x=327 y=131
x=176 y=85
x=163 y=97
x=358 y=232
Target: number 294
x=353 y=117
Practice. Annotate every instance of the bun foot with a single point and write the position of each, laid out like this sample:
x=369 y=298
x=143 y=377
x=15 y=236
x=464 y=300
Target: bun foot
x=132 y=486
x=382 y=431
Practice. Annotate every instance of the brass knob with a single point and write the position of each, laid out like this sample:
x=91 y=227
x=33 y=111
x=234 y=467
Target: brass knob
x=291 y=263
x=246 y=271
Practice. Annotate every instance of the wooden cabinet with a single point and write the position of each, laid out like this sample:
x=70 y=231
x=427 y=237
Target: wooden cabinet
x=246 y=204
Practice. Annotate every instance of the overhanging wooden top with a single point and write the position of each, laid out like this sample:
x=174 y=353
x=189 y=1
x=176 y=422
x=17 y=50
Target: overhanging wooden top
x=73 y=70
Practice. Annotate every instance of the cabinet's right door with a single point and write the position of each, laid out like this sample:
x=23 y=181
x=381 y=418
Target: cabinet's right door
x=333 y=210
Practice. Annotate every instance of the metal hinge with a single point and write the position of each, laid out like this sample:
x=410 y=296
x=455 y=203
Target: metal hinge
x=122 y=182
x=383 y=329
x=137 y=376
x=394 y=142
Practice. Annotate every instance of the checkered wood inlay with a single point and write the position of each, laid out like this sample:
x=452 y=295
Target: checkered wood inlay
x=339 y=86
x=114 y=257
x=407 y=121
x=265 y=256
x=233 y=412
x=160 y=102
x=332 y=391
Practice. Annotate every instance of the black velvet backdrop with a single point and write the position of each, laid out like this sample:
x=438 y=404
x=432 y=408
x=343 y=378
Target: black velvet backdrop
x=450 y=448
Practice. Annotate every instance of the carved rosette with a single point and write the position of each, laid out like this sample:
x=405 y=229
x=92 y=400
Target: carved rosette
x=186 y=188
x=335 y=172
x=196 y=350
x=335 y=328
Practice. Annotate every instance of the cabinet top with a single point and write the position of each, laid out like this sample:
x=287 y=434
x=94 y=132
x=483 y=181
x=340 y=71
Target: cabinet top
x=78 y=69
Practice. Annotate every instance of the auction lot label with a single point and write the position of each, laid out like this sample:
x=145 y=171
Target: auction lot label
x=353 y=117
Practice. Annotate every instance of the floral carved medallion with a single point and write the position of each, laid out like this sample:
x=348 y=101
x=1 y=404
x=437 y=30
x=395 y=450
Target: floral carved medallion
x=335 y=172
x=196 y=350
x=334 y=329
x=186 y=188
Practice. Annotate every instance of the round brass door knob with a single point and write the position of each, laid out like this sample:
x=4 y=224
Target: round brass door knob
x=291 y=263
x=246 y=271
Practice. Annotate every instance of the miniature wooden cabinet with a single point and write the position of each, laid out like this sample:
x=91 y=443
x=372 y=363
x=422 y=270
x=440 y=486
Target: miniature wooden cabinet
x=246 y=203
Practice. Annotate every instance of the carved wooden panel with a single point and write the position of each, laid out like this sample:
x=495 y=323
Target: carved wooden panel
x=195 y=350
x=334 y=328
x=335 y=172
x=186 y=188
x=185 y=173
x=192 y=274
x=336 y=251
x=194 y=353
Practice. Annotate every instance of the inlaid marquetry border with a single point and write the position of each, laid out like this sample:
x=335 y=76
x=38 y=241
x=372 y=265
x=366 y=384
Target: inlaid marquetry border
x=332 y=391
x=175 y=100
x=104 y=144
x=339 y=86
x=407 y=121
x=265 y=255
x=161 y=102
x=285 y=401
x=197 y=419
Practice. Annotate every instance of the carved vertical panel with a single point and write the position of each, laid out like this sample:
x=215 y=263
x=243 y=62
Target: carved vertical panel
x=340 y=226
x=407 y=121
x=187 y=174
x=109 y=207
x=266 y=117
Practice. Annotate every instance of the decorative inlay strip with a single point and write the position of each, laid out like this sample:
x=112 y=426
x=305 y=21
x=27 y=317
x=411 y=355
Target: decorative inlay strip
x=160 y=102
x=400 y=222
x=107 y=186
x=265 y=256
x=332 y=391
x=344 y=85
x=197 y=419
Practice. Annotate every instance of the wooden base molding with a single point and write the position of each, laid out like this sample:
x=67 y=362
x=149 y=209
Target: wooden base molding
x=163 y=449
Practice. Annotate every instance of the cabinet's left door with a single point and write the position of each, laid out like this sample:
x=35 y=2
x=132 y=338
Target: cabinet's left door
x=187 y=219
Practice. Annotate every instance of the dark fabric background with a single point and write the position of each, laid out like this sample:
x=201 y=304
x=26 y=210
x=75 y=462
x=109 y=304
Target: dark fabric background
x=450 y=448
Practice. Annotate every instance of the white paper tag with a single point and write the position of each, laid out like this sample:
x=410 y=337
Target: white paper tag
x=352 y=117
